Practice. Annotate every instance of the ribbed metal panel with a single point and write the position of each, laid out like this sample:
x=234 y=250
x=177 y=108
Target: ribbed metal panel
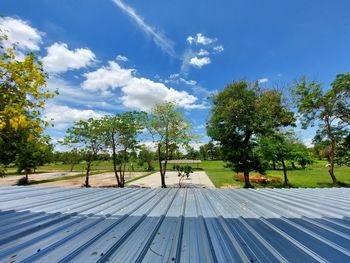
x=174 y=225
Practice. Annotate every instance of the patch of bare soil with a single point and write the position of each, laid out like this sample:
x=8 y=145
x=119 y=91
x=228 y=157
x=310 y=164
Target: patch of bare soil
x=99 y=180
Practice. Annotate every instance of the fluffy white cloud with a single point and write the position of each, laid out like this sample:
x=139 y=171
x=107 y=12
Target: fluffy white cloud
x=21 y=33
x=137 y=93
x=141 y=93
x=263 y=80
x=60 y=59
x=200 y=62
x=219 y=49
x=200 y=39
x=64 y=116
x=121 y=58
x=112 y=76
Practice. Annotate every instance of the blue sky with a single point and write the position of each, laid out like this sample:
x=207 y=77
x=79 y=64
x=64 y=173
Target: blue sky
x=108 y=56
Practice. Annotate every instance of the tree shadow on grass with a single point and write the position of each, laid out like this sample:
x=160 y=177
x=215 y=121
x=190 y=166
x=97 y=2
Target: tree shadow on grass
x=339 y=184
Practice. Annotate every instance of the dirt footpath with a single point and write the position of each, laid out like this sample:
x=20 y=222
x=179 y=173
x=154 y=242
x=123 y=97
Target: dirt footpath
x=12 y=180
x=99 y=180
x=196 y=180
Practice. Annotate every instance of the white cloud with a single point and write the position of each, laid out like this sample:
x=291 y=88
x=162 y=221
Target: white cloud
x=137 y=93
x=219 y=49
x=72 y=94
x=112 y=76
x=200 y=62
x=161 y=41
x=121 y=58
x=60 y=59
x=263 y=80
x=203 y=52
x=64 y=116
x=21 y=33
x=175 y=78
x=200 y=39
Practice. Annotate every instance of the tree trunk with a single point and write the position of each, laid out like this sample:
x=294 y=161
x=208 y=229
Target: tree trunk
x=115 y=162
x=27 y=179
x=161 y=169
x=285 y=173
x=293 y=165
x=332 y=151
x=87 y=173
x=247 y=136
x=274 y=164
x=247 y=183
x=331 y=167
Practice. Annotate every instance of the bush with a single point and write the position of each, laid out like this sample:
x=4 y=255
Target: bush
x=259 y=179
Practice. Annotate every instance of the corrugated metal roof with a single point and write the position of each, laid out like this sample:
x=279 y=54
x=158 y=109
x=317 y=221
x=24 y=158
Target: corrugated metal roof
x=167 y=225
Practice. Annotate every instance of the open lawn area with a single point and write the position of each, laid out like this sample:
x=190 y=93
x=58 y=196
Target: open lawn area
x=313 y=176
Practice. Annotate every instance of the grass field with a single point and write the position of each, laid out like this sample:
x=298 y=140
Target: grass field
x=313 y=176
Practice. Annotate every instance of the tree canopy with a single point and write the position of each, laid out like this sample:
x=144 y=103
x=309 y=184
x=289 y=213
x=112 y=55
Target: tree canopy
x=241 y=112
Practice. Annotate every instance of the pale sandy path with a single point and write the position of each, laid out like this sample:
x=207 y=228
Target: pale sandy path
x=98 y=180
x=12 y=180
x=196 y=180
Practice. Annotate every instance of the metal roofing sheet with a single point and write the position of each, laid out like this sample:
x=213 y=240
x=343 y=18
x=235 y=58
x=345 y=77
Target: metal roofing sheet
x=181 y=225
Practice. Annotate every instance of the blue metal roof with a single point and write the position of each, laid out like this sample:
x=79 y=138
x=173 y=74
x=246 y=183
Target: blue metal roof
x=174 y=225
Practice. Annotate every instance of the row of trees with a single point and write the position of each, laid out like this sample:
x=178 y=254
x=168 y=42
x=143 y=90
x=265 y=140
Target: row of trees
x=251 y=123
x=120 y=135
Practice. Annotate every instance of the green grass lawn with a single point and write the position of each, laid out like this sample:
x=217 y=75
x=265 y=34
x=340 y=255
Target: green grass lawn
x=313 y=176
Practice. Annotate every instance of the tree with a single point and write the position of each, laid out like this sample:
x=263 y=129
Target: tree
x=121 y=131
x=33 y=154
x=23 y=94
x=146 y=156
x=282 y=147
x=169 y=130
x=86 y=135
x=328 y=108
x=240 y=113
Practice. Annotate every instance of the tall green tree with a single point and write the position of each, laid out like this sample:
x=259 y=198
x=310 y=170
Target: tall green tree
x=146 y=156
x=121 y=132
x=23 y=94
x=169 y=129
x=328 y=108
x=284 y=147
x=33 y=154
x=240 y=113
x=88 y=136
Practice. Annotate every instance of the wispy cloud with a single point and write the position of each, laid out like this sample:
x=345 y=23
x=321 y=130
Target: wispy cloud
x=161 y=41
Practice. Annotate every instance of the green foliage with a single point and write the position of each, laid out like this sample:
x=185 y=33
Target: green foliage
x=23 y=94
x=328 y=108
x=210 y=151
x=183 y=171
x=121 y=136
x=146 y=156
x=87 y=136
x=33 y=154
x=240 y=113
x=169 y=130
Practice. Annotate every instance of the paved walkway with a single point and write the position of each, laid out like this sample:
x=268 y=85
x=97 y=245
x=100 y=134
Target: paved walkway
x=196 y=180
